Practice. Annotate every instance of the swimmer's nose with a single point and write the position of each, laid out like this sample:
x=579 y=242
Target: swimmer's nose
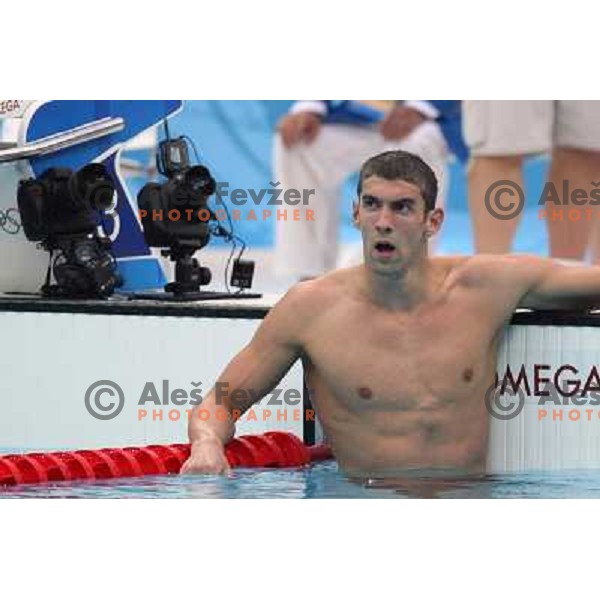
x=383 y=228
x=384 y=221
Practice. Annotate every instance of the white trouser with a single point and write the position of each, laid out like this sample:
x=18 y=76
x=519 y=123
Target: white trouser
x=305 y=247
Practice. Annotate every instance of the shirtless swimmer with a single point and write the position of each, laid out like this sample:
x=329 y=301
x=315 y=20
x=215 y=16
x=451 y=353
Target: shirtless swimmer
x=399 y=351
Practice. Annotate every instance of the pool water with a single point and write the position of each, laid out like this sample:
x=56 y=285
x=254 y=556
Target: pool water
x=322 y=480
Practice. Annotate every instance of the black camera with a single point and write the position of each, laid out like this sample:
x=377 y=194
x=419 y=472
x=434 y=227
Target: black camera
x=61 y=210
x=175 y=215
x=62 y=202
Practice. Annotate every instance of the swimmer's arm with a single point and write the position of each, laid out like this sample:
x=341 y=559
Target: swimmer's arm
x=550 y=285
x=254 y=372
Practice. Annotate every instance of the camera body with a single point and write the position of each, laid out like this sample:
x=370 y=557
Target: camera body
x=63 y=202
x=175 y=214
x=61 y=210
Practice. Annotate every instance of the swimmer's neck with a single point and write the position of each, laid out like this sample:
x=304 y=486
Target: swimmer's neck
x=402 y=290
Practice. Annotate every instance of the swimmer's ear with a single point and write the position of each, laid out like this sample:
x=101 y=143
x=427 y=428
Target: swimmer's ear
x=435 y=219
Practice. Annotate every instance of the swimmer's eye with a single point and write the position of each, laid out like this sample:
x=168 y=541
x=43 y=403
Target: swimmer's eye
x=403 y=207
x=370 y=202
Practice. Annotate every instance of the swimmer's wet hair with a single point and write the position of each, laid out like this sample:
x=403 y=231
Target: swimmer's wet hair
x=397 y=164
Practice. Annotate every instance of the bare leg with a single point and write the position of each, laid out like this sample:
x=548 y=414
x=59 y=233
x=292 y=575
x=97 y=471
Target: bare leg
x=492 y=235
x=570 y=236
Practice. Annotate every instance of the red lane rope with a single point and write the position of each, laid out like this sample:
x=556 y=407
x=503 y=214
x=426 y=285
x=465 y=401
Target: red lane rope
x=276 y=449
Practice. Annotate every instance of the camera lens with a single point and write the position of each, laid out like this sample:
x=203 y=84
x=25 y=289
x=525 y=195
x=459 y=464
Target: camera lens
x=200 y=181
x=94 y=186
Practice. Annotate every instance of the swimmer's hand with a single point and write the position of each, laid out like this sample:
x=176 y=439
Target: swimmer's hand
x=208 y=457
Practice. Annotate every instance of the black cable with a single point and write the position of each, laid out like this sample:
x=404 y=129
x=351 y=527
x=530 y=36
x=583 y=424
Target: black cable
x=229 y=220
x=230 y=237
x=233 y=246
x=235 y=237
x=243 y=244
x=197 y=155
x=49 y=271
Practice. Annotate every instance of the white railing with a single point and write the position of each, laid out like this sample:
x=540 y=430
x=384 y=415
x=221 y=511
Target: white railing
x=64 y=139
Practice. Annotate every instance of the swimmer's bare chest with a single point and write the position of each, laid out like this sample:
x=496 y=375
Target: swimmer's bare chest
x=397 y=390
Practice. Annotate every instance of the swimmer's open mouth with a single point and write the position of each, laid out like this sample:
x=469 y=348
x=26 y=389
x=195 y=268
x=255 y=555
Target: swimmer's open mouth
x=384 y=247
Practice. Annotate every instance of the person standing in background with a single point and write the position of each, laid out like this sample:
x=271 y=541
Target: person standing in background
x=500 y=134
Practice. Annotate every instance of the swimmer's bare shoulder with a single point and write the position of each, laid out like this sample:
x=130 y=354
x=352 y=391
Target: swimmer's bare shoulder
x=490 y=286
x=322 y=294
x=307 y=302
x=510 y=281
